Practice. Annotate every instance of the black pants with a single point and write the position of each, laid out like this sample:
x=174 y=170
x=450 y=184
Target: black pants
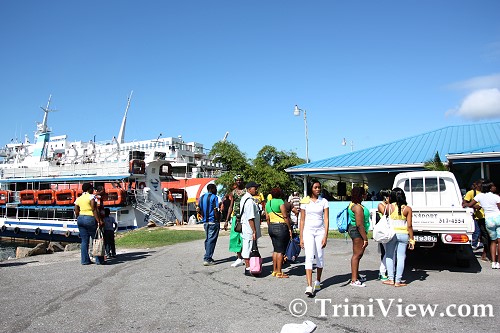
x=109 y=243
x=485 y=237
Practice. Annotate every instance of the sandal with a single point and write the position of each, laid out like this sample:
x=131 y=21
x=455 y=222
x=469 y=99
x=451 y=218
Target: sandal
x=388 y=282
x=274 y=273
x=281 y=276
x=400 y=284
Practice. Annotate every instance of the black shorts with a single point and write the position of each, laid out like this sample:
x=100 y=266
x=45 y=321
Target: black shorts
x=353 y=231
x=280 y=236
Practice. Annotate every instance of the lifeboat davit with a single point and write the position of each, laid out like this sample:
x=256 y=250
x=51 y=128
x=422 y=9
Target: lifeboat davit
x=114 y=197
x=45 y=197
x=137 y=167
x=65 y=197
x=27 y=197
x=5 y=197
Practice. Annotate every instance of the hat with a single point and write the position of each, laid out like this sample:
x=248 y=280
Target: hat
x=252 y=184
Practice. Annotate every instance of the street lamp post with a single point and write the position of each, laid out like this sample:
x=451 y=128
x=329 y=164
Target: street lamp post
x=296 y=112
x=344 y=143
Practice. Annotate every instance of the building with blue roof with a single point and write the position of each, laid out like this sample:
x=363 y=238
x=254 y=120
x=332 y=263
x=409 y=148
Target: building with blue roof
x=471 y=151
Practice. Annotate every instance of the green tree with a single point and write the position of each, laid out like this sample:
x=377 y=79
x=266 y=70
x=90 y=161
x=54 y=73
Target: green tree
x=234 y=161
x=267 y=168
x=435 y=164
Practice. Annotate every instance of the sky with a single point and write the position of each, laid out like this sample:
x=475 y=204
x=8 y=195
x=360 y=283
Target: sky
x=371 y=72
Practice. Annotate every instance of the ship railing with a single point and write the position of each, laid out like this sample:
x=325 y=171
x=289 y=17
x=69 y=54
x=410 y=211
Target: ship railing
x=89 y=169
x=154 y=210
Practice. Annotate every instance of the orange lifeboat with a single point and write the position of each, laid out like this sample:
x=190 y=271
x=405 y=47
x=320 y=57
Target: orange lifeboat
x=137 y=167
x=5 y=197
x=65 y=197
x=114 y=197
x=27 y=197
x=45 y=197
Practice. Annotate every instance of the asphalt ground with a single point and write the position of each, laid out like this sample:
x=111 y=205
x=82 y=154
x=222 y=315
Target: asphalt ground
x=169 y=290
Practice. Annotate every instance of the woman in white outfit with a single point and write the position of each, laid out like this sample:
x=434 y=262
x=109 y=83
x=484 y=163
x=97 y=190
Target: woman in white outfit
x=313 y=233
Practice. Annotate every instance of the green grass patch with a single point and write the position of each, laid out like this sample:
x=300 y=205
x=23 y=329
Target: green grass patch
x=157 y=237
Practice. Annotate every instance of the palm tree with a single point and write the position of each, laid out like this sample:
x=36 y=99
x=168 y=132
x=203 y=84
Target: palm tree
x=436 y=164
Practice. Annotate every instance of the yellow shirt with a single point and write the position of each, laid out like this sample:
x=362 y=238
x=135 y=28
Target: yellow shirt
x=83 y=201
x=469 y=196
x=398 y=222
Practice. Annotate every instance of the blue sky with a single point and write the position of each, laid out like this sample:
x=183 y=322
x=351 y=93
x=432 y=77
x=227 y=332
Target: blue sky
x=368 y=71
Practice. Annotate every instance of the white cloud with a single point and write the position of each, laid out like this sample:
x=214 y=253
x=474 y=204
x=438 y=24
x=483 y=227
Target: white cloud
x=479 y=82
x=480 y=104
x=482 y=100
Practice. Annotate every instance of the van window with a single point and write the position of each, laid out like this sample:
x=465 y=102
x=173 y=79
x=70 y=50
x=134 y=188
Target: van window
x=417 y=185
x=431 y=185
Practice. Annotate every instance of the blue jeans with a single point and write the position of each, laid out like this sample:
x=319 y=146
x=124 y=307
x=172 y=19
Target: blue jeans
x=396 y=251
x=212 y=233
x=475 y=234
x=87 y=227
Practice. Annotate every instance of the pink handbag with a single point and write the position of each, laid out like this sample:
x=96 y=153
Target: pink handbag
x=255 y=260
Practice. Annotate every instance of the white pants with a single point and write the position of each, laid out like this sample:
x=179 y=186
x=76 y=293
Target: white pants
x=313 y=239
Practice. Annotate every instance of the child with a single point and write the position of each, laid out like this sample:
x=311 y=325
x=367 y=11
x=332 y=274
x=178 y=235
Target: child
x=109 y=234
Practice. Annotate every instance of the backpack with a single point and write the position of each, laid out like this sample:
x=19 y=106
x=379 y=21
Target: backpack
x=293 y=249
x=255 y=260
x=343 y=220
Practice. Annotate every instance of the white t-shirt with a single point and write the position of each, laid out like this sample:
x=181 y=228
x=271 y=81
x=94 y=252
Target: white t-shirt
x=489 y=203
x=314 y=213
x=251 y=211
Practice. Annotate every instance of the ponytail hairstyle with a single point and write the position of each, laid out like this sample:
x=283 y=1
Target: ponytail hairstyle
x=386 y=194
x=399 y=198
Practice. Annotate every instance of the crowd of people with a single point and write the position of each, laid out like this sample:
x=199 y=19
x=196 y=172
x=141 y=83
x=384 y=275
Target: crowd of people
x=310 y=215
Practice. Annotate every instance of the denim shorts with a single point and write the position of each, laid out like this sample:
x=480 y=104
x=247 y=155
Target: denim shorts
x=353 y=231
x=280 y=236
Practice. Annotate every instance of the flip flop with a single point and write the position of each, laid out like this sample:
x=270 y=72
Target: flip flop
x=400 y=284
x=282 y=276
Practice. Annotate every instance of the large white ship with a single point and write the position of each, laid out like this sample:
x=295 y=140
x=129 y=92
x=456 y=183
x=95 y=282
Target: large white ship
x=40 y=181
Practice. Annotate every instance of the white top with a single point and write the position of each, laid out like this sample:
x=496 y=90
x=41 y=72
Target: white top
x=489 y=203
x=314 y=213
x=251 y=211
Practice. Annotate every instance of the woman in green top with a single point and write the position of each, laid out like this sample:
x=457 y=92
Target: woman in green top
x=359 y=222
x=279 y=229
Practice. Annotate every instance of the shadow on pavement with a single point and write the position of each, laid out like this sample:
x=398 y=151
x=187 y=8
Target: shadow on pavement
x=129 y=256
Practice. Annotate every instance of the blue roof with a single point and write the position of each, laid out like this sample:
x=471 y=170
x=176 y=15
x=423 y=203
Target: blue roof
x=416 y=150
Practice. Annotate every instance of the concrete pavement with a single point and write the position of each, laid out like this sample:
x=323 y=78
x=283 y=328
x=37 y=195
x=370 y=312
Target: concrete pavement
x=169 y=290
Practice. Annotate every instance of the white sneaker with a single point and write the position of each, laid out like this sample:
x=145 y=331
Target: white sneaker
x=309 y=291
x=498 y=265
x=237 y=263
x=493 y=265
x=317 y=285
x=358 y=283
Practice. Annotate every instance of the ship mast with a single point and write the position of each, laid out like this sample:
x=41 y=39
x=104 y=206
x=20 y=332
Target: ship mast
x=42 y=127
x=121 y=134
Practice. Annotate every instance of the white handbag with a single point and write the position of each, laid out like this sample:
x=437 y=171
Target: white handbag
x=383 y=231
